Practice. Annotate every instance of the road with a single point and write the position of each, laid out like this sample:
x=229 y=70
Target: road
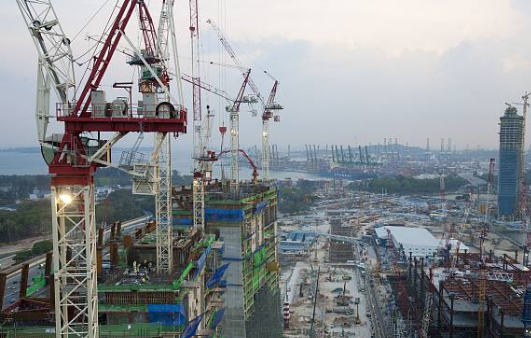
x=37 y=267
x=378 y=322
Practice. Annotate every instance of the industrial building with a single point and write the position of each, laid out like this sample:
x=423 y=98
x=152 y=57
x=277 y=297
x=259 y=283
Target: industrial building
x=417 y=241
x=510 y=162
x=464 y=302
x=297 y=241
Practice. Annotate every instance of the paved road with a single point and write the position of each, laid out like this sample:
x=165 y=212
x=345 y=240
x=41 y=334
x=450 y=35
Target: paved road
x=378 y=324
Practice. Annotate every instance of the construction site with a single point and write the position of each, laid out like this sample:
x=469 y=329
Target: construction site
x=205 y=264
x=215 y=257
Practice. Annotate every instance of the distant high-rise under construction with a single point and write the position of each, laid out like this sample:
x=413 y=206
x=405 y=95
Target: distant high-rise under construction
x=510 y=162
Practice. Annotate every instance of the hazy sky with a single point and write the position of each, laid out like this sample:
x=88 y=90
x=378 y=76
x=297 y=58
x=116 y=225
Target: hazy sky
x=351 y=71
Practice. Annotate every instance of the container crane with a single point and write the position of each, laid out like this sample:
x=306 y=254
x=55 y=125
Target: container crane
x=73 y=157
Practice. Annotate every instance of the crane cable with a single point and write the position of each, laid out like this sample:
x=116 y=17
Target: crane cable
x=92 y=18
x=101 y=37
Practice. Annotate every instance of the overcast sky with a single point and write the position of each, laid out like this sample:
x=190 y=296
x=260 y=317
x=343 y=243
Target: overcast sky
x=351 y=71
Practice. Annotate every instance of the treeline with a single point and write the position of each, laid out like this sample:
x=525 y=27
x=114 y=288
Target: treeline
x=123 y=205
x=403 y=185
x=38 y=249
x=13 y=187
x=296 y=199
x=32 y=218
x=114 y=177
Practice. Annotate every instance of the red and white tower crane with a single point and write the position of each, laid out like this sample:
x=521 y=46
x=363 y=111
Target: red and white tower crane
x=202 y=166
x=269 y=108
x=234 y=130
x=73 y=156
x=234 y=57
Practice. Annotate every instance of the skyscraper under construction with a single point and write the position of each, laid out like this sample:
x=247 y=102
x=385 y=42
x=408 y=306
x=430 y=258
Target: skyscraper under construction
x=510 y=162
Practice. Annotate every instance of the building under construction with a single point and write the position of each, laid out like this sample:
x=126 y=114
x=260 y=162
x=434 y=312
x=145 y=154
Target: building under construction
x=464 y=298
x=133 y=299
x=248 y=227
x=510 y=162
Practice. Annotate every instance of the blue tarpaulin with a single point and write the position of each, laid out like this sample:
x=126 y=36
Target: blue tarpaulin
x=182 y=221
x=223 y=215
x=166 y=314
x=260 y=207
x=200 y=265
x=202 y=261
x=218 y=316
x=191 y=328
x=216 y=277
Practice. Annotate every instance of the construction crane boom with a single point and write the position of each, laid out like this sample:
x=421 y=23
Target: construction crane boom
x=56 y=62
x=234 y=57
x=207 y=87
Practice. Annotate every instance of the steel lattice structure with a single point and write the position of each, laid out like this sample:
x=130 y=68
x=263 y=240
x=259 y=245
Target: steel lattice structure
x=163 y=208
x=74 y=252
x=73 y=157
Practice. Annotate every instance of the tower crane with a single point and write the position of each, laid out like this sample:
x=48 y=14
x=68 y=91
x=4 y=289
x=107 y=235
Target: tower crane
x=492 y=164
x=163 y=197
x=234 y=112
x=269 y=108
x=202 y=168
x=233 y=56
x=482 y=275
x=73 y=157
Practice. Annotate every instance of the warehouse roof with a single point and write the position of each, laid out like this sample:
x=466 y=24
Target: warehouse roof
x=409 y=236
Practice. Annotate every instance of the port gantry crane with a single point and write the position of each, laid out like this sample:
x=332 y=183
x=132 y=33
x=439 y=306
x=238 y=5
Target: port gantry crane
x=73 y=156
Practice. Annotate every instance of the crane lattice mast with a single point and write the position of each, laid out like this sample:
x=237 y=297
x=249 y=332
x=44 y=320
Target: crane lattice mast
x=199 y=175
x=266 y=116
x=73 y=156
x=234 y=112
x=234 y=57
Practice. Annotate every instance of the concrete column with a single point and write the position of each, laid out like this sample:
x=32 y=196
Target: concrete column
x=51 y=290
x=118 y=229
x=24 y=275
x=113 y=252
x=101 y=236
x=452 y=298
x=3 y=279
x=48 y=266
x=422 y=288
x=502 y=323
x=441 y=293
x=99 y=261
x=415 y=285
x=113 y=232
